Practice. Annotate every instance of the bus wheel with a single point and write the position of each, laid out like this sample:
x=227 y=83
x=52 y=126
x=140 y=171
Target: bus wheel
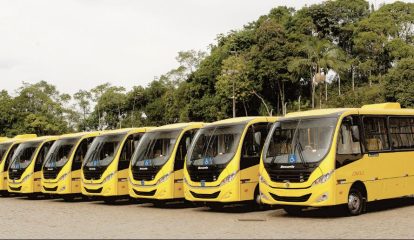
x=356 y=202
x=293 y=210
x=215 y=206
x=109 y=200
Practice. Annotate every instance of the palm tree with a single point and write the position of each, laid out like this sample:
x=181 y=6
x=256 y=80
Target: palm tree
x=317 y=55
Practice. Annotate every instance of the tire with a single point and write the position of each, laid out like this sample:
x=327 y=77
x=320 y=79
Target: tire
x=159 y=204
x=356 y=202
x=293 y=210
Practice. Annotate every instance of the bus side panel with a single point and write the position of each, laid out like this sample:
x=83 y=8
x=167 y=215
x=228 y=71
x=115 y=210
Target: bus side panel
x=37 y=184
x=393 y=173
x=122 y=182
x=249 y=178
x=76 y=181
x=178 y=184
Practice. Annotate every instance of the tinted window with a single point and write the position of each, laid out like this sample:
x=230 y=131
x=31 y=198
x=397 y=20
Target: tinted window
x=42 y=156
x=402 y=132
x=253 y=143
x=376 y=135
x=128 y=149
x=182 y=149
x=80 y=153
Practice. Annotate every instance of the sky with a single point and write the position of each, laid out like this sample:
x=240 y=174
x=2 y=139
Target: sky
x=79 y=44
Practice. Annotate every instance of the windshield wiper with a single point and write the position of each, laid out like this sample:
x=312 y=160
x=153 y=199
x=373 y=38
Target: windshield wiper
x=302 y=159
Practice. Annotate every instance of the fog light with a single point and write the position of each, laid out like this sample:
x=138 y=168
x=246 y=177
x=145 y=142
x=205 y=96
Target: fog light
x=62 y=189
x=227 y=195
x=323 y=197
x=263 y=196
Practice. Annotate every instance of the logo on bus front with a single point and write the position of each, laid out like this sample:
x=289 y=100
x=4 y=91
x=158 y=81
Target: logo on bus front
x=142 y=182
x=292 y=158
x=203 y=183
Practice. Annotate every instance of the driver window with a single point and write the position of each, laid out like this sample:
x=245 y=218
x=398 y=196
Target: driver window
x=127 y=150
x=42 y=156
x=80 y=153
x=253 y=143
x=183 y=148
x=348 y=143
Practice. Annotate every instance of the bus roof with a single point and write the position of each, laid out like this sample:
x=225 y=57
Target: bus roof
x=126 y=130
x=178 y=126
x=243 y=119
x=79 y=134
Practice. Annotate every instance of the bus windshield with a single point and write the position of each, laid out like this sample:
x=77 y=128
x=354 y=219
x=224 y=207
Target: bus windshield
x=155 y=148
x=103 y=150
x=215 y=145
x=299 y=141
x=60 y=152
x=23 y=155
x=3 y=149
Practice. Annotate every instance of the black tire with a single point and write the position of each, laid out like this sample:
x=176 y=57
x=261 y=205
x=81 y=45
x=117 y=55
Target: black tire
x=293 y=210
x=356 y=202
x=5 y=194
x=159 y=204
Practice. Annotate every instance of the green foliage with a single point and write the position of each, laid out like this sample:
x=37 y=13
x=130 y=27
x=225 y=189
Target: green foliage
x=272 y=63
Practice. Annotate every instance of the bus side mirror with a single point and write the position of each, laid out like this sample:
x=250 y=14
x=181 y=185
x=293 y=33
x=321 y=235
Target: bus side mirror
x=355 y=133
x=258 y=137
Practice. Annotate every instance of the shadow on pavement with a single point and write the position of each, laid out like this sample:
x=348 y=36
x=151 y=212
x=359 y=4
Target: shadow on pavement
x=340 y=211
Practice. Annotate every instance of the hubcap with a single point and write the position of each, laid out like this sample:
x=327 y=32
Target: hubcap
x=353 y=202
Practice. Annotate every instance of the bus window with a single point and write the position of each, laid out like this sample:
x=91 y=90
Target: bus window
x=182 y=149
x=401 y=132
x=80 y=153
x=253 y=144
x=128 y=149
x=376 y=136
x=10 y=156
x=42 y=156
x=348 y=143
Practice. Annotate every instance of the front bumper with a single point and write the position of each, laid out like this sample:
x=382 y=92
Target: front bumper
x=162 y=191
x=226 y=193
x=312 y=196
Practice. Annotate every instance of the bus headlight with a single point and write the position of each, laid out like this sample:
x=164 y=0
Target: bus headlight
x=63 y=177
x=27 y=177
x=323 y=178
x=163 y=178
x=263 y=180
x=109 y=177
x=229 y=178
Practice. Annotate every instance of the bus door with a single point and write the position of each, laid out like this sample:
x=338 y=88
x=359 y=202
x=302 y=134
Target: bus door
x=250 y=158
x=77 y=164
x=124 y=159
x=40 y=159
x=179 y=159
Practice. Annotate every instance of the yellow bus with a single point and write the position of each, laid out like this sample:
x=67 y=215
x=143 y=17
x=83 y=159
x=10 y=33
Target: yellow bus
x=7 y=149
x=25 y=170
x=62 y=167
x=156 y=170
x=223 y=161
x=341 y=157
x=105 y=169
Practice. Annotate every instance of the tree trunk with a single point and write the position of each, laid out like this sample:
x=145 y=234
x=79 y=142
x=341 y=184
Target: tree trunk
x=264 y=103
x=326 y=92
x=244 y=106
x=353 y=78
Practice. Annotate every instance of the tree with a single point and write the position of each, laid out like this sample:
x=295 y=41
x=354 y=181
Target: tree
x=398 y=83
x=83 y=99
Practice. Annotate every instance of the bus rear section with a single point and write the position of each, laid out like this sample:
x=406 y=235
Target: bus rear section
x=105 y=169
x=339 y=157
x=156 y=171
x=62 y=168
x=25 y=170
x=223 y=162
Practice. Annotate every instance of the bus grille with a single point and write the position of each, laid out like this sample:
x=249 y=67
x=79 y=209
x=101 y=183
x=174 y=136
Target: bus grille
x=303 y=198
x=207 y=174
x=15 y=174
x=50 y=173
x=145 y=173
x=15 y=188
x=293 y=176
x=206 y=196
x=93 y=174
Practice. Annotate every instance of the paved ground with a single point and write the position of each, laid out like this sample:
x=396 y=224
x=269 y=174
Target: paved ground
x=53 y=218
